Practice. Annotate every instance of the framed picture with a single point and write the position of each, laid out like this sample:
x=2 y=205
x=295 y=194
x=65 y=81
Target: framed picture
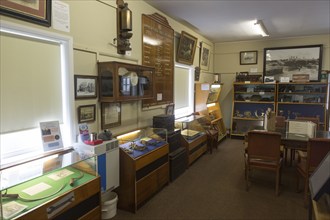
x=287 y=61
x=85 y=87
x=248 y=57
x=205 y=53
x=35 y=11
x=86 y=113
x=169 y=109
x=186 y=48
x=110 y=114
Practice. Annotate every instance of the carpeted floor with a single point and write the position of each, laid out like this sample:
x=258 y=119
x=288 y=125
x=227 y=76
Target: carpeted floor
x=214 y=188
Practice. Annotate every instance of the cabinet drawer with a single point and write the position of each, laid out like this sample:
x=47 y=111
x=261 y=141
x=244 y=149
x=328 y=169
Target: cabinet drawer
x=197 y=142
x=149 y=158
x=197 y=153
x=150 y=184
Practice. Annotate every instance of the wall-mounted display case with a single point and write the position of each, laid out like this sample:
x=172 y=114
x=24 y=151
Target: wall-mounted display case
x=58 y=186
x=123 y=81
x=144 y=166
x=303 y=100
x=250 y=102
x=193 y=136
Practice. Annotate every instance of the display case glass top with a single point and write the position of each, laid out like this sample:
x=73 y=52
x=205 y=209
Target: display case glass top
x=29 y=185
x=140 y=142
x=123 y=81
x=192 y=126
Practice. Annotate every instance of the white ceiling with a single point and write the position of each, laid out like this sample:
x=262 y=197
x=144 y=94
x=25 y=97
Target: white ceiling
x=223 y=21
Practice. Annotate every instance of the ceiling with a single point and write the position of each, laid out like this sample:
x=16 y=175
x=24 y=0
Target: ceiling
x=226 y=21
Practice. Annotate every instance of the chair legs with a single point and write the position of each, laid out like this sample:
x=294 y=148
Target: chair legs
x=306 y=189
x=278 y=180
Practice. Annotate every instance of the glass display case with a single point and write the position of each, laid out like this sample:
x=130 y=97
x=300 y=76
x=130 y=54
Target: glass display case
x=303 y=100
x=45 y=188
x=193 y=135
x=123 y=81
x=250 y=102
x=144 y=166
x=140 y=142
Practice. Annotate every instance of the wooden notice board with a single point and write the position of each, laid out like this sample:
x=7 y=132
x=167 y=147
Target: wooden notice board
x=157 y=52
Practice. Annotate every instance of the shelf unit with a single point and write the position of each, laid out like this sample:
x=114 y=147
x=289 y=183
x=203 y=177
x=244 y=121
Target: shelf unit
x=304 y=100
x=250 y=102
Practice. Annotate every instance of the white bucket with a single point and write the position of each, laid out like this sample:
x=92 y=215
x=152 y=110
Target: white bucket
x=109 y=205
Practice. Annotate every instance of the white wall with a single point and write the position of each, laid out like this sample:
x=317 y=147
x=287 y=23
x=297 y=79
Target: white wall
x=226 y=61
x=93 y=28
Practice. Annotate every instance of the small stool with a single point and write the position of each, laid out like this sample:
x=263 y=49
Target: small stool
x=212 y=139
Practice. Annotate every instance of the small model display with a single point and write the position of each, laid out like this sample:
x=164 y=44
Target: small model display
x=28 y=186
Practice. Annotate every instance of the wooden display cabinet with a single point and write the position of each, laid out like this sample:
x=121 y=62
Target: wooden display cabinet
x=193 y=136
x=123 y=82
x=62 y=187
x=250 y=102
x=207 y=103
x=144 y=167
x=304 y=100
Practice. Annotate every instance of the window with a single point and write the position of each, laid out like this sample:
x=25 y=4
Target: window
x=36 y=85
x=183 y=90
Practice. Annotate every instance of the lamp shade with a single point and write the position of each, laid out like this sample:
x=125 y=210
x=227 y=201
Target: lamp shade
x=125 y=18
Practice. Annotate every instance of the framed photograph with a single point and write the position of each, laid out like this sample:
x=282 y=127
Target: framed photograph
x=35 y=11
x=205 y=53
x=86 y=113
x=169 y=109
x=248 y=57
x=287 y=61
x=85 y=87
x=186 y=48
x=110 y=114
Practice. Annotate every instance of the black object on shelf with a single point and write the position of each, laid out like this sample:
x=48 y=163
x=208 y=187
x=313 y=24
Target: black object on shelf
x=164 y=121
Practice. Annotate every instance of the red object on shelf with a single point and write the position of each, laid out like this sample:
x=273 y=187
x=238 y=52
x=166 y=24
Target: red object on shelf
x=95 y=142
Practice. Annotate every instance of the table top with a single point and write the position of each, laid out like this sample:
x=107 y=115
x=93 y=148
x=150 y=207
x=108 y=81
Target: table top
x=301 y=137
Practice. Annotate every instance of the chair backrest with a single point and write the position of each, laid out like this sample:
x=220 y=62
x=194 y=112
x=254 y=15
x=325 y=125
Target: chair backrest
x=264 y=145
x=317 y=149
x=312 y=119
x=280 y=122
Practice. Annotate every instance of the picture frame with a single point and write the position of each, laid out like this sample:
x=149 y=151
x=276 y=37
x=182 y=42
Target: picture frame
x=287 y=61
x=110 y=114
x=248 y=57
x=205 y=53
x=186 y=48
x=169 y=109
x=85 y=87
x=37 y=11
x=86 y=113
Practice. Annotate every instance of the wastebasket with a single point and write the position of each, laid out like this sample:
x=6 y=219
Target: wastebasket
x=109 y=205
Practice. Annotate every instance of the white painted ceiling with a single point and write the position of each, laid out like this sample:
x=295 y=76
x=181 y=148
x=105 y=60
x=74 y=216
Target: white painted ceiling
x=224 y=21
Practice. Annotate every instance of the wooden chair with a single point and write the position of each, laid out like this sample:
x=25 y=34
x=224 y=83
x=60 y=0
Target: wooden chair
x=317 y=149
x=280 y=122
x=263 y=152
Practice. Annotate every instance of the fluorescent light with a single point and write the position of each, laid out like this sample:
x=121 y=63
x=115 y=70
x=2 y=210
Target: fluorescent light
x=210 y=105
x=261 y=28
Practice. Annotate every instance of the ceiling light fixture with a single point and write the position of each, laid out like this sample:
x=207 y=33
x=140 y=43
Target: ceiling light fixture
x=262 y=30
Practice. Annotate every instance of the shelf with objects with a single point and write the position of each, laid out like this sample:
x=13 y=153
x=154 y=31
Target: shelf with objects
x=193 y=136
x=58 y=185
x=303 y=100
x=144 y=166
x=250 y=102
x=123 y=81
